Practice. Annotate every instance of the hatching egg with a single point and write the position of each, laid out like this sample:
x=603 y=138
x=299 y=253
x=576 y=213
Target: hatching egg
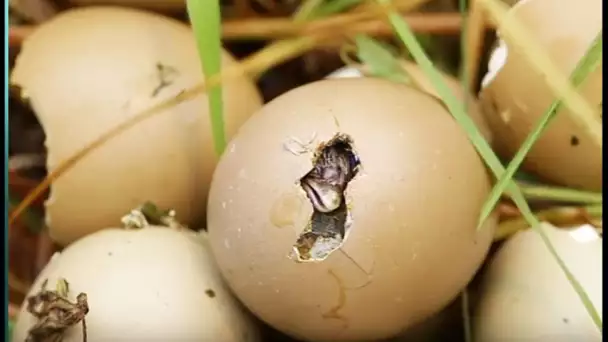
x=515 y=95
x=347 y=210
x=150 y=284
x=88 y=70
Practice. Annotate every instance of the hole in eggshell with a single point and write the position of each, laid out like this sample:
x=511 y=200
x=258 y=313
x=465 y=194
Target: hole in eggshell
x=335 y=165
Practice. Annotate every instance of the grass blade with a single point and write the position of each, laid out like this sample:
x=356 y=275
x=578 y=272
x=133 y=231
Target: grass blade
x=587 y=64
x=466 y=315
x=335 y=6
x=32 y=220
x=379 y=59
x=307 y=9
x=406 y=35
x=560 y=194
x=582 y=113
x=464 y=78
x=205 y=18
x=465 y=302
x=452 y=103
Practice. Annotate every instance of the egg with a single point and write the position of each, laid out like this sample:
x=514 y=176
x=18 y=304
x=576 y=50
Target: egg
x=150 y=284
x=525 y=296
x=158 y=5
x=346 y=210
x=84 y=76
x=421 y=80
x=514 y=96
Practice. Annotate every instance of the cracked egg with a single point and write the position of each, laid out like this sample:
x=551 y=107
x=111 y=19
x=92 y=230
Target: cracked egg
x=514 y=96
x=346 y=210
x=149 y=284
x=91 y=69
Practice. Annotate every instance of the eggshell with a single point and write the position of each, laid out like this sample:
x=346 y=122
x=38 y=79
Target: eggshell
x=159 y=5
x=515 y=95
x=89 y=70
x=152 y=284
x=421 y=80
x=412 y=245
x=525 y=296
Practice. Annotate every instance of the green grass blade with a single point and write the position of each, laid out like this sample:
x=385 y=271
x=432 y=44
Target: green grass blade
x=406 y=35
x=464 y=79
x=465 y=302
x=452 y=103
x=332 y=7
x=581 y=112
x=32 y=220
x=307 y=9
x=587 y=64
x=205 y=18
x=560 y=194
x=379 y=59
x=466 y=314
x=10 y=328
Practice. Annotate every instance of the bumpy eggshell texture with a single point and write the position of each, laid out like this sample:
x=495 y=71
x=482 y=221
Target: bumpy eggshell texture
x=421 y=80
x=525 y=296
x=516 y=98
x=153 y=284
x=84 y=77
x=414 y=206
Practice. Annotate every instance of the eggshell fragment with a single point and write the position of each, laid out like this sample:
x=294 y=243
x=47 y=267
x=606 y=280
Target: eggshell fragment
x=152 y=284
x=515 y=95
x=525 y=296
x=89 y=70
x=412 y=244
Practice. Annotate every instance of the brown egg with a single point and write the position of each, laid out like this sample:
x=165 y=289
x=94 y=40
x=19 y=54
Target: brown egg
x=88 y=70
x=421 y=80
x=150 y=284
x=158 y=5
x=366 y=263
x=525 y=296
x=515 y=96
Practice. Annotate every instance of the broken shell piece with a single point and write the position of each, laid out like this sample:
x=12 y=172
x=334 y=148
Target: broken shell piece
x=79 y=96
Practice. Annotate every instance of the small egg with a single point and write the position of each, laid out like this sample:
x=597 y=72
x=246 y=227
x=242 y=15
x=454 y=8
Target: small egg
x=150 y=284
x=515 y=96
x=346 y=210
x=88 y=70
x=525 y=296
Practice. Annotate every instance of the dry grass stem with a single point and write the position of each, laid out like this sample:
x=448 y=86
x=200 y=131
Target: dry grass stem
x=433 y=23
x=557 y=216
x=476 y=26
x=513 y=31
